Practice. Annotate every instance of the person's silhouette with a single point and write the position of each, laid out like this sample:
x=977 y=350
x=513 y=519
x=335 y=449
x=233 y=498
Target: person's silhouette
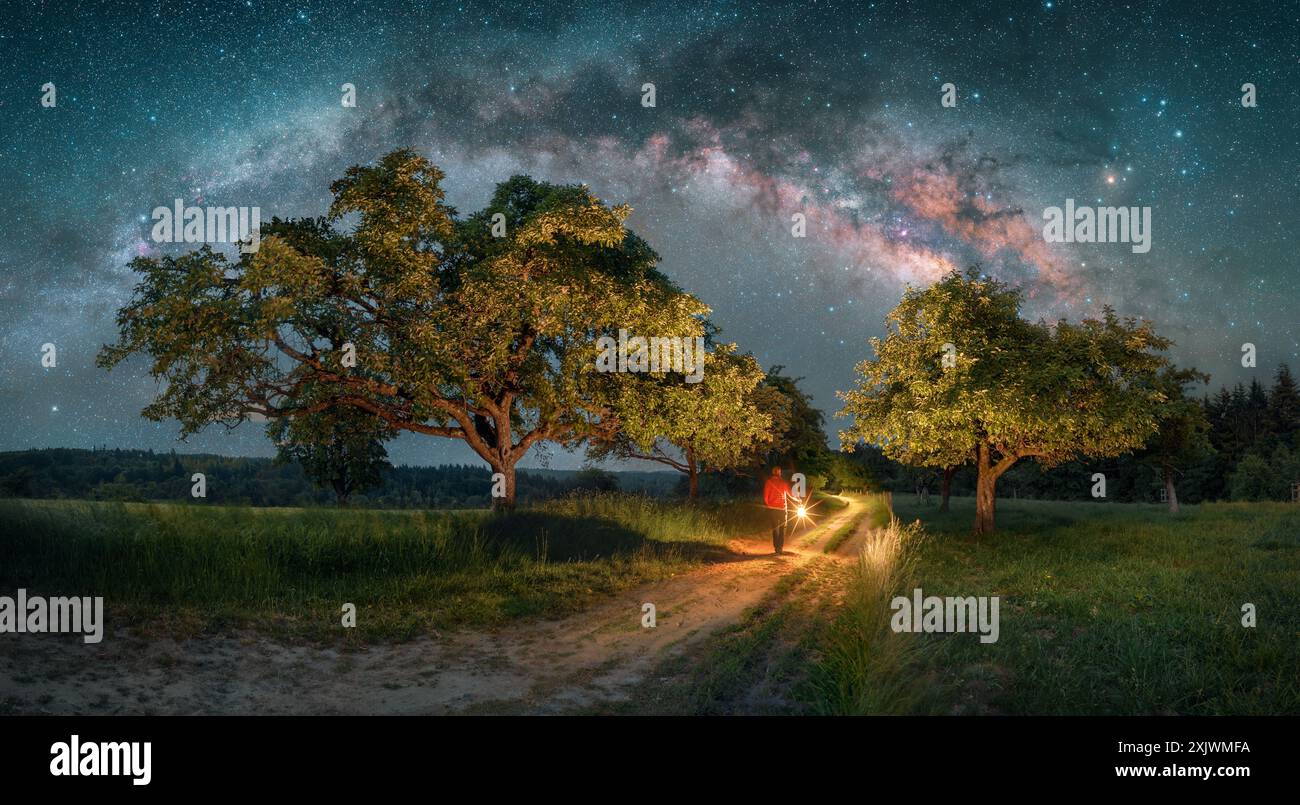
x=776 y=493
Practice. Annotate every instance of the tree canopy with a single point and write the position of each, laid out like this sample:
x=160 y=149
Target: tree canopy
x=479 y=328
x=961 y=376
x=690 y=426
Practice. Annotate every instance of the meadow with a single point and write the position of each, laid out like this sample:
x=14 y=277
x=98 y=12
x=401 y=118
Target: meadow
x=1105 y=609
x=186 y=569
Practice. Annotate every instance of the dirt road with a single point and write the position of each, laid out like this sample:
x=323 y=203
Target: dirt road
x=593 y=659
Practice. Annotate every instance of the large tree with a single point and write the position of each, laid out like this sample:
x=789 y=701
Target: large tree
x=712 y=424
x=961 y=376
x=481 y=329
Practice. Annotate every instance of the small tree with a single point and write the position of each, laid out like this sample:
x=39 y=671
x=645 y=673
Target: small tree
x=845 y=474
x=1255 y=478
x=945 y=486
x=714 y=423
x=1181 y=439
x=960 y=374
x=339 y=448
x=798 y=436
x=594 y=479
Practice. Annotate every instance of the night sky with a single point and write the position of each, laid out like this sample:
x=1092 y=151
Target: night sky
x=763 y=110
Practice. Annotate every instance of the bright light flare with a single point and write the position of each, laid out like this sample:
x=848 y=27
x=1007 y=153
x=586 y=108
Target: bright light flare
x=802 y=513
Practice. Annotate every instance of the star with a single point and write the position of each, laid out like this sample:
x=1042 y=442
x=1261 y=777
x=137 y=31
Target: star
x=758 y=115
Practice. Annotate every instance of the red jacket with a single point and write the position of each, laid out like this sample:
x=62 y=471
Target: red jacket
x=774 y=492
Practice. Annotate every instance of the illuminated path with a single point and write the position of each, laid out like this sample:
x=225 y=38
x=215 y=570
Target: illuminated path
x=591 y=660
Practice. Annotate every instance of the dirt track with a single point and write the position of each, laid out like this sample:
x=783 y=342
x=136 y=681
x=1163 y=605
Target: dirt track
x=594 y=658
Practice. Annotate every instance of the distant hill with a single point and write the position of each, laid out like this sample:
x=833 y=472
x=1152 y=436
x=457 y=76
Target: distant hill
x=145 y=475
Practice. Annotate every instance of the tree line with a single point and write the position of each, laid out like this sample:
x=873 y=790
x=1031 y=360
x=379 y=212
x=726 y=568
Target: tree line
x=145 y=475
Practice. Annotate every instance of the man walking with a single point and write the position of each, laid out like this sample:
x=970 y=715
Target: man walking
x=775 y=494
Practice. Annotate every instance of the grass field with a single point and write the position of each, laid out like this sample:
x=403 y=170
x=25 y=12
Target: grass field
x=187 y=569
x=1105 y=608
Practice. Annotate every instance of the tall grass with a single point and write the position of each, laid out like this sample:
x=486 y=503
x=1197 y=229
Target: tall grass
x=866 y=668
x=1105 y=609
x=213 y=567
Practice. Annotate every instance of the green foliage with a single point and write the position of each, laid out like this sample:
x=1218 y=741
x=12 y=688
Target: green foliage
x=798 y=439
x=1260 y=477
x=457 y=333
x=1014 y=389
x=1284 y=407
x=843 y=474
x=1237 y=422
x=339 y=448
x=592 y=479
x=1254 y=432
x=1048 y=391
x=711 y=424
x=1182 y=435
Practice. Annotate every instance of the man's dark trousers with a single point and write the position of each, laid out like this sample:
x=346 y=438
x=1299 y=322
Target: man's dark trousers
x=777 y=516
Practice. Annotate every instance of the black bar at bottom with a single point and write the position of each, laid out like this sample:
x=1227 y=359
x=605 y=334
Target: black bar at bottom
x=217 y=754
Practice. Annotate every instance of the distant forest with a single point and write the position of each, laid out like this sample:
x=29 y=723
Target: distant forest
x=1249 y=452
x=144 y=475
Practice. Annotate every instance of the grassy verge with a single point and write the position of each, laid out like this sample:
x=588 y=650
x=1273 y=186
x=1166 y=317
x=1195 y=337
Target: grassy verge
x=863 y=666
x=875 y=515
x=190 y=568
x=1105 y=609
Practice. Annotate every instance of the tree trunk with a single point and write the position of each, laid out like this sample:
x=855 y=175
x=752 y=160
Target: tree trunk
x=508 y=500
x=1170 y=491
x=985 y=503
x=986 y=495
x=692 y=474
x=948 y=472
x=341 y=492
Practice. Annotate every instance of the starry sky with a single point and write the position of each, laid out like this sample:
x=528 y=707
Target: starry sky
x=762 y=111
